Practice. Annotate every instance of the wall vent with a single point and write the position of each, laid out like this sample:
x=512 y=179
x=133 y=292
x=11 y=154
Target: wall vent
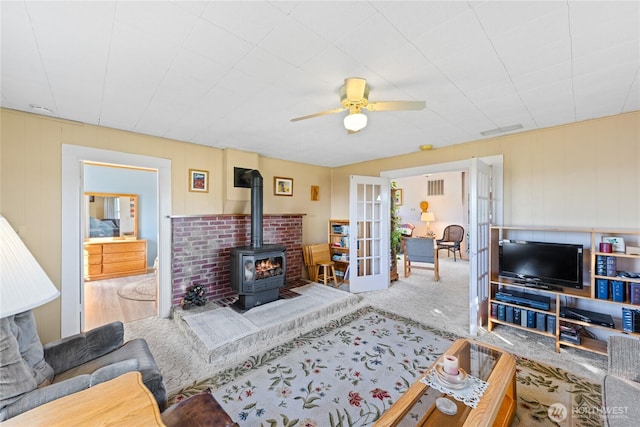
x=435 y=187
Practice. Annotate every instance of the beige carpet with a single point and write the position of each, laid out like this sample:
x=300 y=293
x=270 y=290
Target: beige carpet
x=442 y=304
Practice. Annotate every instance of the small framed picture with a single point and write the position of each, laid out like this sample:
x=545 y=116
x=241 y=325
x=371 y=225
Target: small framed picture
x=315 y=193
x=617 y=243
x=282 y=186
x=198 y=180
x=397 y=197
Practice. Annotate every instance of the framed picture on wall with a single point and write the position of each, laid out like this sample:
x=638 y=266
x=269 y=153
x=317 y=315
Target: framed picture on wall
x=397 y=196
x=282 y=186
x=315 y=193
x=198 y=180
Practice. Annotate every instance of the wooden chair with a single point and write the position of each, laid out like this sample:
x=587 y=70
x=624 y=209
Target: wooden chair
x=423 y=251
x=451 y=239
x=319 y=263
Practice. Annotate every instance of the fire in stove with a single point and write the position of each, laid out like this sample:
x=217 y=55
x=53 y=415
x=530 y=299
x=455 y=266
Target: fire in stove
x=268 y=267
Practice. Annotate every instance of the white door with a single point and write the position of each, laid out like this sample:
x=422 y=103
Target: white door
x=369 y=233
x=479 y=222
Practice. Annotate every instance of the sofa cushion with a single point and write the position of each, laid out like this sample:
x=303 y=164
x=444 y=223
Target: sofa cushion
x=16 y=377
x=31 y=348
x=136 y=349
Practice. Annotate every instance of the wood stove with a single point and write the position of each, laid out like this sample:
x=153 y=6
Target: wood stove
x=258 y=271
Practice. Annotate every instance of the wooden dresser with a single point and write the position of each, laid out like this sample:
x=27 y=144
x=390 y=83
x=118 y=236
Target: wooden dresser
x=114 y=258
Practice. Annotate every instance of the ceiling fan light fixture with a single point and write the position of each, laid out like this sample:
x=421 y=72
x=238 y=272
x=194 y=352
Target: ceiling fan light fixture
x=355 y=122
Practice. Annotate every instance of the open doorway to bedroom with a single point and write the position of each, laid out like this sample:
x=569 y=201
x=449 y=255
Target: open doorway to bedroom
x=120 y=241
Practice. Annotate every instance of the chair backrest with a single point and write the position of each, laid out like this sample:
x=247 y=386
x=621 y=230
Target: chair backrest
x=420 y=250
x=407 y=229
x=319 y=253
x=453 y=233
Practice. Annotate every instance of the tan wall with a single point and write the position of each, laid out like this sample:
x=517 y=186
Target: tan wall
x=30 y=185
x=585 y=174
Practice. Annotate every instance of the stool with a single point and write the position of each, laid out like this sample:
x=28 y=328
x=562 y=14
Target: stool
x=327 y=271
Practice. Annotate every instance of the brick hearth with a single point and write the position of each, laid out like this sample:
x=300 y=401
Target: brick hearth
x=201 y=247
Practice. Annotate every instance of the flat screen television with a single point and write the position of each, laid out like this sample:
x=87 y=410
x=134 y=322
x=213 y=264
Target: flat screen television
x=541 y=264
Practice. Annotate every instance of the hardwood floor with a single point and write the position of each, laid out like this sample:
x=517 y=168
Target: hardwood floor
x=103 y=304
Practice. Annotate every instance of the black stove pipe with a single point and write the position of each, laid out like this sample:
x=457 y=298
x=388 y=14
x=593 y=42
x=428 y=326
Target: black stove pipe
x=256 y=209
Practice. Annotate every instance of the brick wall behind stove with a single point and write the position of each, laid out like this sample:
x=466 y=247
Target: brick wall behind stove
x=201 y=247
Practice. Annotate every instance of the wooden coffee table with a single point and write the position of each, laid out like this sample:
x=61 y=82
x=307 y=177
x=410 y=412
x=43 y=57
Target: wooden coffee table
x=497 y=405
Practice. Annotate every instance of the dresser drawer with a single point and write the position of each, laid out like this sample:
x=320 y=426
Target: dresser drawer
x=124 y=256
x=124 y=247
x=93 y=269
x=121 y=267
x=94 y=259
x=93 y=249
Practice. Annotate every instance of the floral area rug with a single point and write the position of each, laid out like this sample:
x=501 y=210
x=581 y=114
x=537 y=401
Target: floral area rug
x=348 y=372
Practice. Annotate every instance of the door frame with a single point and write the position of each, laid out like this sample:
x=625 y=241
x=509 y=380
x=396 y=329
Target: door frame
x=497 y=201
x=71 y=256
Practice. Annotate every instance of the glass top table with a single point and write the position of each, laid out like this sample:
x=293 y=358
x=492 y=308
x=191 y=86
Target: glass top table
x=417 y=406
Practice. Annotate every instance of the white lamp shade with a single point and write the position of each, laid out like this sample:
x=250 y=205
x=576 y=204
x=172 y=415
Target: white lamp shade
x=355 y=122
x=23 y=283
x=427 y=217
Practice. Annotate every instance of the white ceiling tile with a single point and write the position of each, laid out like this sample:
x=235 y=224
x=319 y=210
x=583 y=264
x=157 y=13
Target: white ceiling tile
x=249 y=21
x=216 y=43
x=295 y=50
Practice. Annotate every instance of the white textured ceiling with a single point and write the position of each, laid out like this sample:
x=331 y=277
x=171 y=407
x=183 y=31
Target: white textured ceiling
x=232 y=74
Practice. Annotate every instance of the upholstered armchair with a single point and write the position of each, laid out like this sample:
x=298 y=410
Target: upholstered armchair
x=32 y=374
x=621 y=385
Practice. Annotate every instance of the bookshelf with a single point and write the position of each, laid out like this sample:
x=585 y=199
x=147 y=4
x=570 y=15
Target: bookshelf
x=608 y=290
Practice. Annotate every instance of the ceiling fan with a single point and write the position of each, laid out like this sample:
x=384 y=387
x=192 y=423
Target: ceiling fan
x=354 y=96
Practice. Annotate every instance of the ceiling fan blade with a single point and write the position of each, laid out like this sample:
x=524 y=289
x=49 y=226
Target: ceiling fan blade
x=322 y=113
x=354 y=88
x=395 y=105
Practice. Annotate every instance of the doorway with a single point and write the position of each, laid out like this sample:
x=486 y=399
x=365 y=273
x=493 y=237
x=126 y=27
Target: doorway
x=120 y=235
x=495 y=190
x=73 y=157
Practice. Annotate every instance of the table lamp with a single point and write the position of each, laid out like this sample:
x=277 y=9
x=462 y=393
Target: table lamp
x=427 y=217
x=23 y=283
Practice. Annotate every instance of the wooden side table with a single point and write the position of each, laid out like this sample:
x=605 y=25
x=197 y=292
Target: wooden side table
x=123 y=401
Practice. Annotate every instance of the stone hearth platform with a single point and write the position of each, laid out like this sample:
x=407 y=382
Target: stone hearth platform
x=223 y=335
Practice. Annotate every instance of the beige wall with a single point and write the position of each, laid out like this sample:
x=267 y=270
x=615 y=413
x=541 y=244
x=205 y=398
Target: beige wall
x=30 y=185
x=585 y=174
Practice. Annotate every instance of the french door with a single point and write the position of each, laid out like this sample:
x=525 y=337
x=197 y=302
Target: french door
x=369 y=233
x=479 y=222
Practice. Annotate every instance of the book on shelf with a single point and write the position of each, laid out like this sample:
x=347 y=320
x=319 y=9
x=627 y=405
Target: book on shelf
x=509 y=314
x=618 y=290
x=524 y=317
x=634 y=293
x=516 y=315
x=603 y=288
